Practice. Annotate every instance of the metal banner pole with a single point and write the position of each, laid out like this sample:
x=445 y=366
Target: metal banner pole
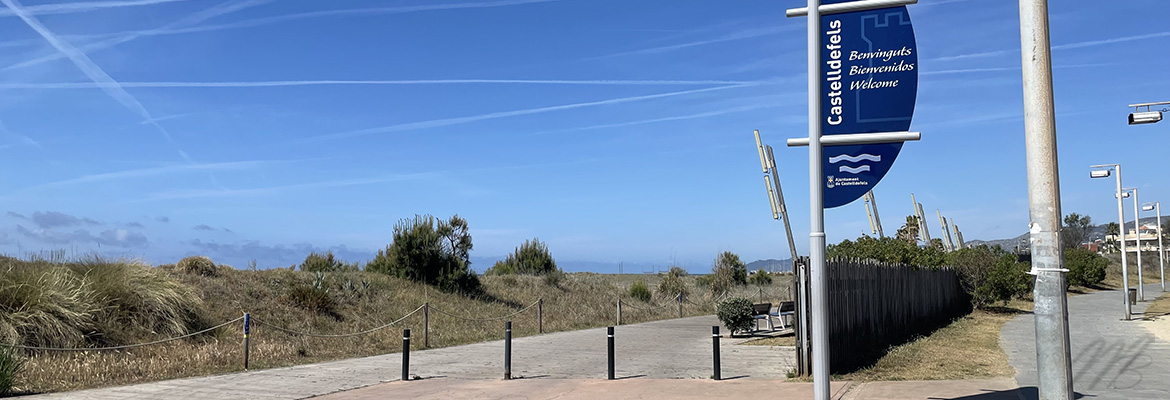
x=1053 y=366
x=1137 y=230
x=819 y=295
x=1161 y=250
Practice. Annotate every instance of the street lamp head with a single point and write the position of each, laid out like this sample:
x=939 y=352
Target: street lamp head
x=1147 y=117
x=1124 y=195
x=1099 y=173
x=1148 y=207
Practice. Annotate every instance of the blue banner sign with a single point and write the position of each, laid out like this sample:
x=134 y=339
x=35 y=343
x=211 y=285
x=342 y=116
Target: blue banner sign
x=870 y=71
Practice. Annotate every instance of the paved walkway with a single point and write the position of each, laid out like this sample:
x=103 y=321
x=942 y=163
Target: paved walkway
x=669 y=349
x=1112 y=358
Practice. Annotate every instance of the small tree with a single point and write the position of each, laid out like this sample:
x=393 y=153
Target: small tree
x=736 y=314
x=430 y=251
x=531 y=258
x=1076 y=230
x=1085 y=268
x=316 y=262
x=673 y=283
x=761 y=278
x=909 y=232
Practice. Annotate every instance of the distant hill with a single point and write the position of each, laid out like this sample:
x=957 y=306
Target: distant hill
x=1098 y=232
x=771 y=265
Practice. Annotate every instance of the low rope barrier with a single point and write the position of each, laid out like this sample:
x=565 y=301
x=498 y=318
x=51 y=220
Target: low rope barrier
x=292 y=332
x=485 y=319
x=651 y=308
x=128 y=346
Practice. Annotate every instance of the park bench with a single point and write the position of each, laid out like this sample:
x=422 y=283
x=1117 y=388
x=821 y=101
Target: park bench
x=762 y=311
x=785 y=312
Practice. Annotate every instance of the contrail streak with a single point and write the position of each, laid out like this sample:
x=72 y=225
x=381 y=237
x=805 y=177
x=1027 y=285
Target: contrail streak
x=67 y=8
x=463 y=120
x=667 y=119
x=193 y=19
x=606 y=82
x=89 y=68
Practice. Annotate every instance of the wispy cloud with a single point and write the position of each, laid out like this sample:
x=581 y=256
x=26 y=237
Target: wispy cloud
x=89 y=68
x=1001 y=69
x=25 y=140
x=79 y=7
x=252 y=84
x=199 y=193
x=667 y=119
x=745 y=34
x=474 y=118
x=149 y=172
x=1110 y=41
x=119 y=38
x=982 y=54
x=373 y=11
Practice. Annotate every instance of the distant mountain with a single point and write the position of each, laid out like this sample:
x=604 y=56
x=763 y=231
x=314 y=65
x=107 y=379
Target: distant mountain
x=1098 y=232
x=771 y=265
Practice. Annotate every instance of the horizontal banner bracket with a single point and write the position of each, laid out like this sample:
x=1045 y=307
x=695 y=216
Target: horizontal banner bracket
x=859 y=138
x=860 y=5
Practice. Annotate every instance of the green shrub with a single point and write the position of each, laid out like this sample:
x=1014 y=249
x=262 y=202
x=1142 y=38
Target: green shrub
x=1085 y=268
x=704 y=281
x=531 y=258
x=10 y=366
x=736 y=314
x=673 y=283
x=761 y=278
x=639 y=291
x=197 y=265
x=554 y=277
x=432 y=252
x=1006 y=280
x=890 y=250
x=316 y=262
x=728 y=272
x=313 y=299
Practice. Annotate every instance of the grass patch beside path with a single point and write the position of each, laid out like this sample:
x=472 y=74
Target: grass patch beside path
x=1159 y=308
x=966 y=349
x=789 y=340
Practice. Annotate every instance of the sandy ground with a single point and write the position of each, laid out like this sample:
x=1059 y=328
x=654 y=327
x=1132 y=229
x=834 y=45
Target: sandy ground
x=1160 y=328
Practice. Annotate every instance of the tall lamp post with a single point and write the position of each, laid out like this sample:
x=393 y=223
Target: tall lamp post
x=1137 y=230
x=1103 y=171
x=1157 y=208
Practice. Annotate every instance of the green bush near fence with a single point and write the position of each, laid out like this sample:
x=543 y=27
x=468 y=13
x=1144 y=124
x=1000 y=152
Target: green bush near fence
x=1085 y=267
x=639 y=291
x=736 y=314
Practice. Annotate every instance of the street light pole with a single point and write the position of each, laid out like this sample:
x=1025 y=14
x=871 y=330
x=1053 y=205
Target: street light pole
x=1120 y=233
x=1053 y=358
x=1137 y=230
x=1157 y=208
x=819 y=288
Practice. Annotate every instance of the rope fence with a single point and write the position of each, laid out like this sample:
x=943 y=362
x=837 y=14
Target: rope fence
x=128 y=346
x=344 y=335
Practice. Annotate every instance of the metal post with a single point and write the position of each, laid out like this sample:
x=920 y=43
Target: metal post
x=507 y=350
x=877 y=218
x=406 y=354
x=715 y=343
x=426 y=325
x=247 y=330
x=1161 y=250
x=1137 y=230
x=619 y=321
x=1053 y=365
x=819 y=283
x=680 y=314
x=761 y=295
x=540 y=315
x=609 y=336
x=1121 y=238
x=783 y=206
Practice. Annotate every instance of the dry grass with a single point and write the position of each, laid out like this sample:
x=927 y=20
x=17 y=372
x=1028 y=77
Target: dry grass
x=1151 y=270
x=362 y=301
x=966 y=349
x=789 y=340
x=1159 y=308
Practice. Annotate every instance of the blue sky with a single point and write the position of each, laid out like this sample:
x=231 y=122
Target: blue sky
x=612 y=130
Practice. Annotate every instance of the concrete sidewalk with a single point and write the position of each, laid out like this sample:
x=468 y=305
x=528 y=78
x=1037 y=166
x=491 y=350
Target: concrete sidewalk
x=669 y=349
x=1111 y=358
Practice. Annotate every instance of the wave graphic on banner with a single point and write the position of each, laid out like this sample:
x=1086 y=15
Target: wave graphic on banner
x=863 y=168
x=859 y=157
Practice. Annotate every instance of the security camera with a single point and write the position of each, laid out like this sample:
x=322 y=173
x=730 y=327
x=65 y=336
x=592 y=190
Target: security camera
x=1147 y=117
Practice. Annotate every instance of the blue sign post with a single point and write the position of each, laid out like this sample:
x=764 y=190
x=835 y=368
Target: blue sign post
x=870 y=83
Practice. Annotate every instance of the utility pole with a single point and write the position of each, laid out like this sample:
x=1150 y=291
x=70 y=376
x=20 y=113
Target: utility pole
x=1053 y=361
x=923 y=232
x=1137 y=239
x=947 y=243
x=876 y=223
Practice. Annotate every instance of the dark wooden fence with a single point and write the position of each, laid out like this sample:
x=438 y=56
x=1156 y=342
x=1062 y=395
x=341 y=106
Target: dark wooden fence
x=873 y=306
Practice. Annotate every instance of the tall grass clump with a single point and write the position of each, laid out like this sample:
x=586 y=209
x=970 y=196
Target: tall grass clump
x=10 y=366
x=639 y=291
x=91 y=303
x=197 y=265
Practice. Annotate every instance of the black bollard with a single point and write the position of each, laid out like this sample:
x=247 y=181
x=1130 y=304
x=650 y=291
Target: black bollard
x=507 y=350
x=609 y=333
x=715 y=343
x=406 y=354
